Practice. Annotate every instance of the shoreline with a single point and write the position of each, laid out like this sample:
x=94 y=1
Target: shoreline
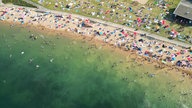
x=142 y=60
x=98 y=40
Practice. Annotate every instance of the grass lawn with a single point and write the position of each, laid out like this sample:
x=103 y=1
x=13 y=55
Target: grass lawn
x=18 y=2
x=121 y=14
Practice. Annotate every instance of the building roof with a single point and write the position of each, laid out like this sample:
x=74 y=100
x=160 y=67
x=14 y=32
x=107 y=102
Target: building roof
x=184 y=9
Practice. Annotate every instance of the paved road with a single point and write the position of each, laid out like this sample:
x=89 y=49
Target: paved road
x=157 y=37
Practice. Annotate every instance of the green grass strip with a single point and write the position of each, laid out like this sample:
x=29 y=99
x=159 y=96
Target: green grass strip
x=18 y=2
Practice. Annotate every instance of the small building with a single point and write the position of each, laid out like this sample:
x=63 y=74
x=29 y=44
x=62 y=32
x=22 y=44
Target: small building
x=184 y=9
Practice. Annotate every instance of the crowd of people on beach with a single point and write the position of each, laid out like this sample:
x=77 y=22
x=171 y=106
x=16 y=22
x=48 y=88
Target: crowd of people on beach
x=129 y=14
x=164 y=52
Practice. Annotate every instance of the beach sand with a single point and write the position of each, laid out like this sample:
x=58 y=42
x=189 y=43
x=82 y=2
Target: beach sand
x=50 y=24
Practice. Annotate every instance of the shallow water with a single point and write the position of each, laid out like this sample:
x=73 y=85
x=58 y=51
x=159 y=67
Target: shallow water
x=59 y=72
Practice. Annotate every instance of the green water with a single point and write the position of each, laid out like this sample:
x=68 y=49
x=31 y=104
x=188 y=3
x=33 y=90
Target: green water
x=75 y=74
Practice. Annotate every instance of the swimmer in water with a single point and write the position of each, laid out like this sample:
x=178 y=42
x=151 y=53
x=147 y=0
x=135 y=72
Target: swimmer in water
x=51 y=60
x=22 y=53
x=30 y=60
x=10 y=56
x=37 y=66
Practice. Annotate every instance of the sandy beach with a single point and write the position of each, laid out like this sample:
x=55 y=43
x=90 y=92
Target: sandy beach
x=148 y=49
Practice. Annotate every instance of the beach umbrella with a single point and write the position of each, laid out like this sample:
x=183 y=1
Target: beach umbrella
x=173 y=55
x=139 y=19
x=174 y=31
x=189 y=58
x=126 y=35
x=20 y=8
x=130 y=9
x=87 y=21
x=173 y=58
x=163 y=22
x=184 y=62
x=178 y=53
x=107 y=11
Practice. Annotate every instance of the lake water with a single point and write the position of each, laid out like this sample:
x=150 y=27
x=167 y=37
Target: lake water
x=61 y=72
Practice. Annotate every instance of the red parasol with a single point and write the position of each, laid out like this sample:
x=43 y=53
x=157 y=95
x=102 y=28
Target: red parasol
x=107 y=11
x=163 y=22
x=139 y=20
